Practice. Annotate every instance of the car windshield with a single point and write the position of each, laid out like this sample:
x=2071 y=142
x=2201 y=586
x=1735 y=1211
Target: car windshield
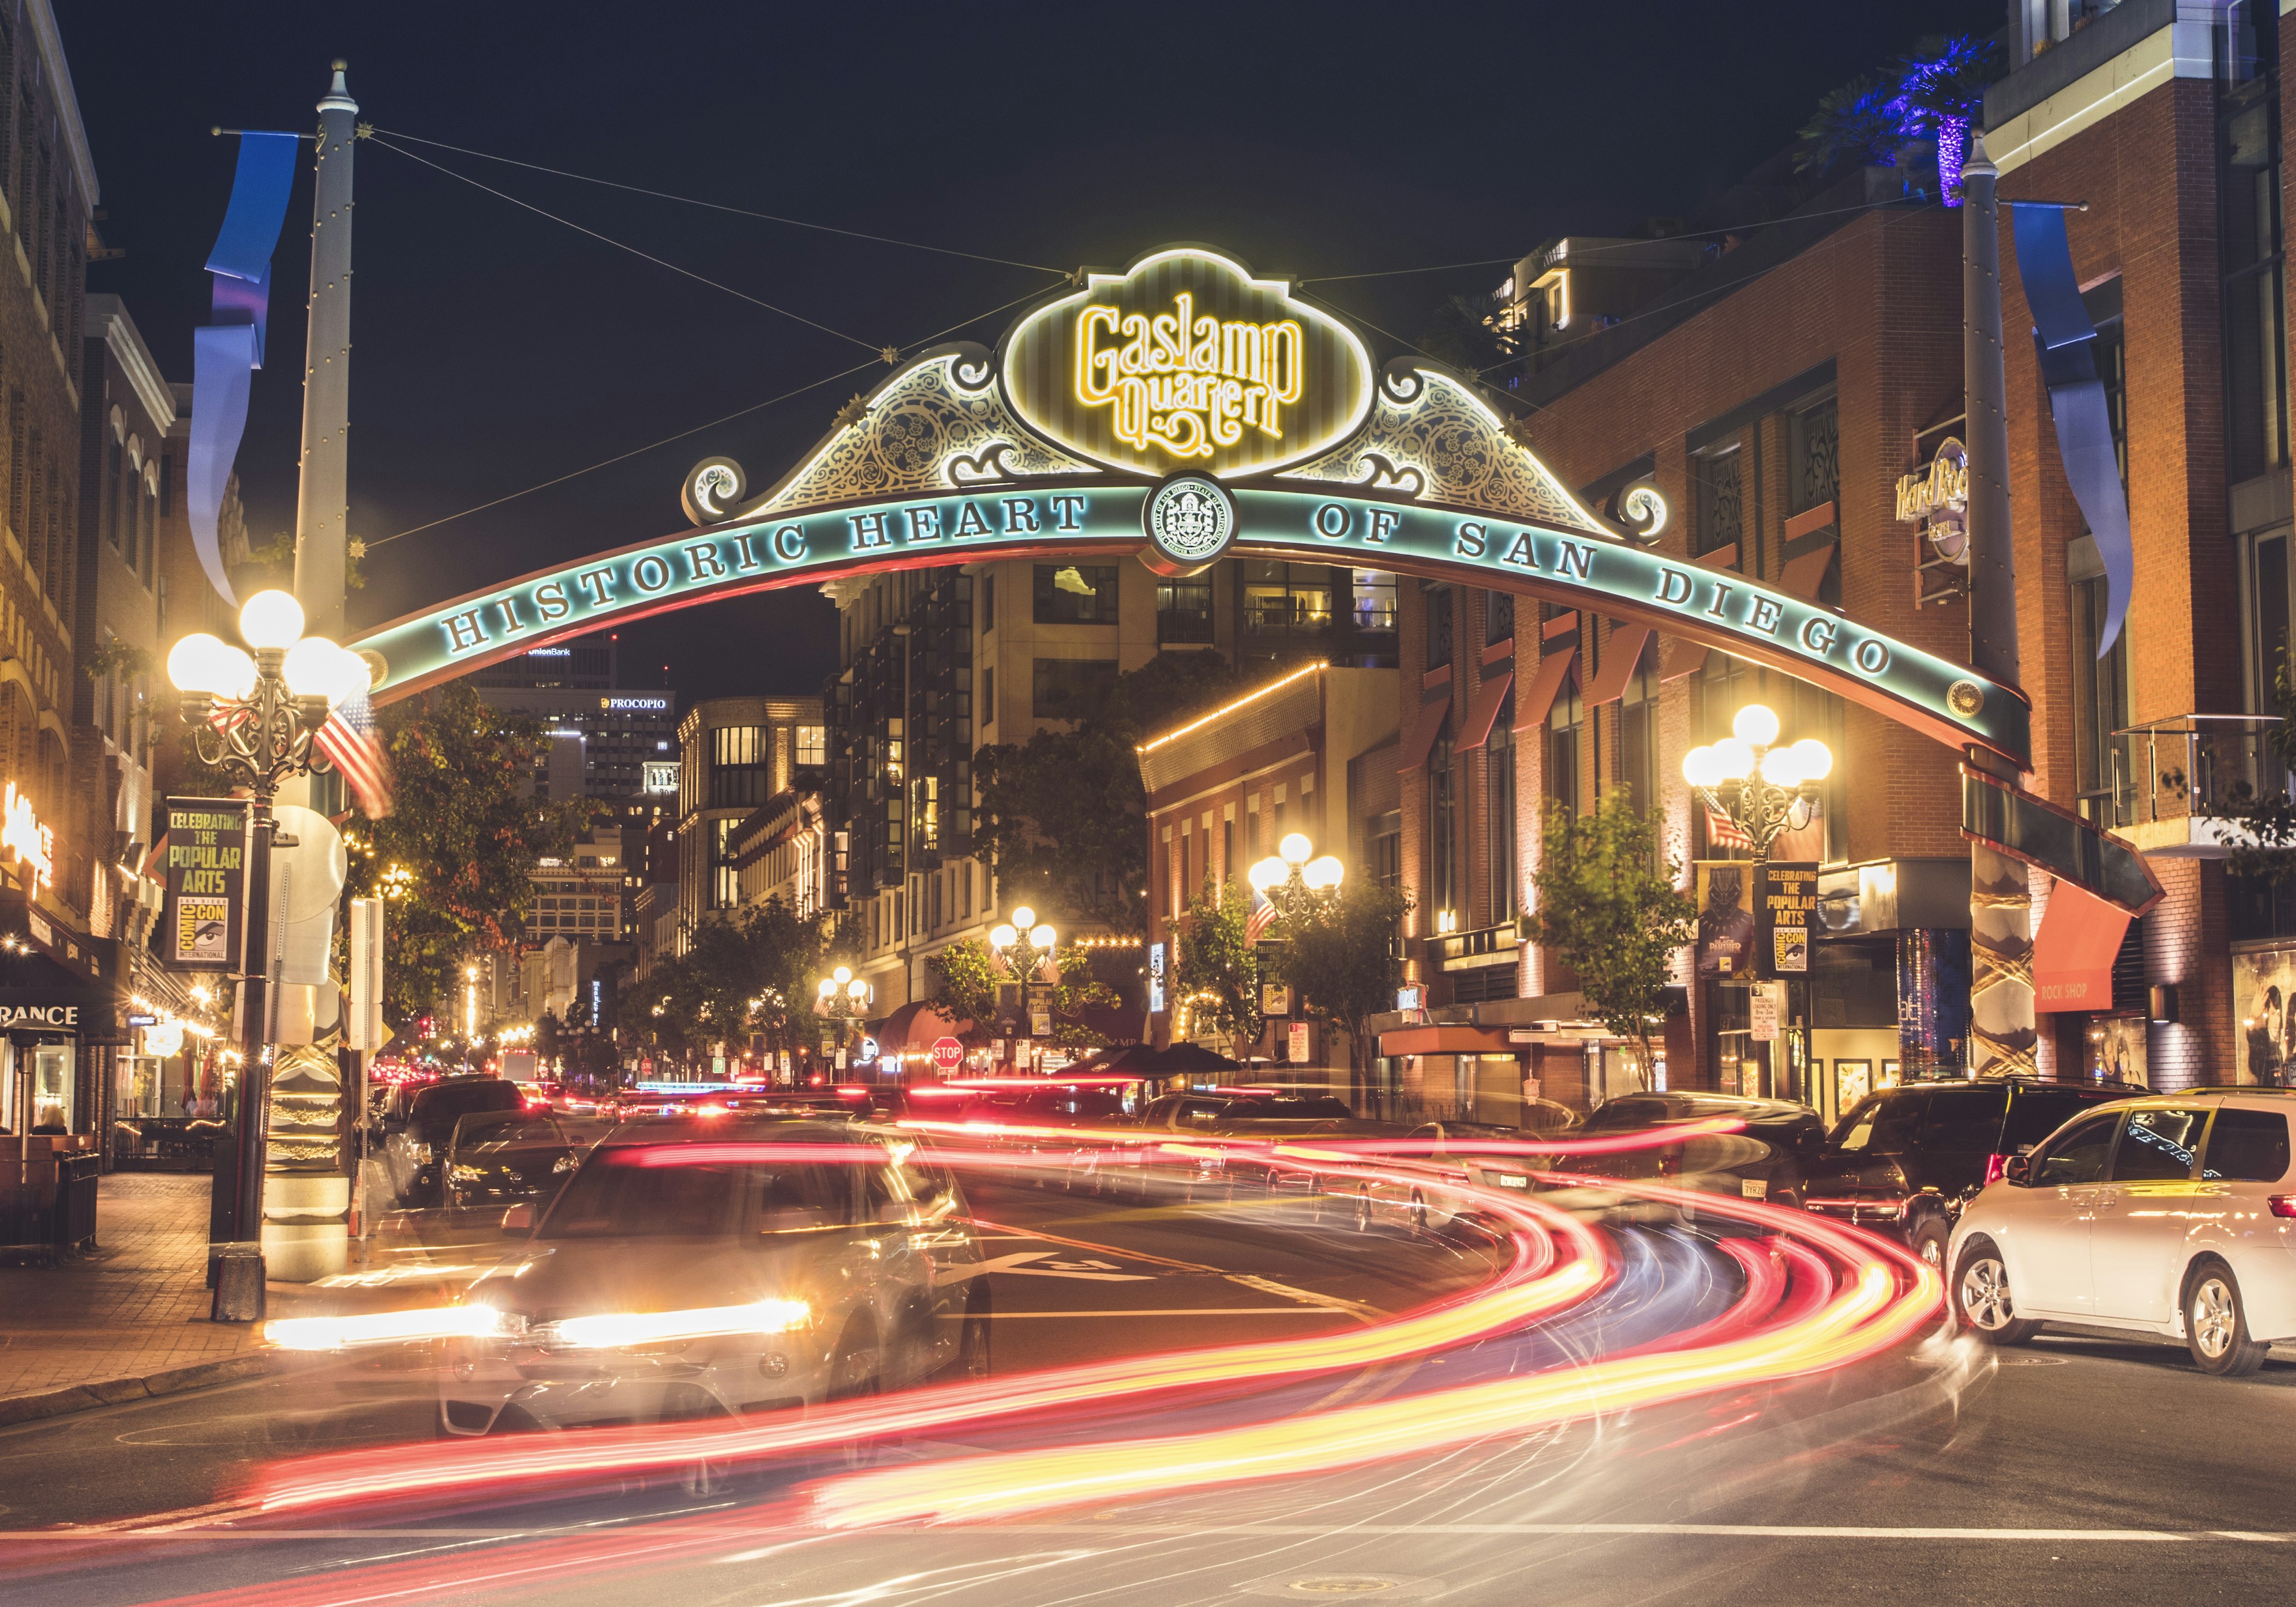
x=703 y=1190
x=495 y=1129
x=437 y=1110
x=1881 y=1124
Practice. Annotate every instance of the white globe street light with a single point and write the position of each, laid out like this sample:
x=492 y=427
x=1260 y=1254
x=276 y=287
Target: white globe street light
x=1757 y=786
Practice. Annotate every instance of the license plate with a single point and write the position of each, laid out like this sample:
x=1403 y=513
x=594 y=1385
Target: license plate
x=1754 y=1188
x=1506 y=1182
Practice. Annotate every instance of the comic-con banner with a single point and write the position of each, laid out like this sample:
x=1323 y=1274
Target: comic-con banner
x=205 y=870
x=1783 y=917
x=1755 y=921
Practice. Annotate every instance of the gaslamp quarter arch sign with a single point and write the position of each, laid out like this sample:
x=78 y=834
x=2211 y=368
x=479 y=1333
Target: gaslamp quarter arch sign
x=1245 y=421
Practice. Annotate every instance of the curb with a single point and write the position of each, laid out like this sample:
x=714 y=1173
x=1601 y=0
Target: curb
x=115 y=1391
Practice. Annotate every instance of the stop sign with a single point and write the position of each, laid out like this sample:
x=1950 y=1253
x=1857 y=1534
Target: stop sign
x=948 y=1054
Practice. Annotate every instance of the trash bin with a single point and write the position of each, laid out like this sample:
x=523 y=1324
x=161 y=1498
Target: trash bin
x=74 y=1216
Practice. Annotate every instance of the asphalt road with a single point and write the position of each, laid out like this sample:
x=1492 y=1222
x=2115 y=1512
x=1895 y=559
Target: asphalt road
x=2074 y=1470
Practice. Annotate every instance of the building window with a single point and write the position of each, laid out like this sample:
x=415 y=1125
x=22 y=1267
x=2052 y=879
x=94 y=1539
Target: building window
x=740 y=766
x=1440 y=600
x=1638 y=732
x=1069 y=689
x=989 y=602
x=2100 y=701
x=1372 y=607
x=724 y=881
x=1443 y=885
x=1814 y=447
x=1499 y=617
x=813 y=745
x=1720 y=506
x=1562 y=721
x=1075 y=594
x=1498 y=812
x=2110 y=352
x=2255 y=332
x=988 y=694
x=1383 y=848
x=1284 y=599
x=1184 y=610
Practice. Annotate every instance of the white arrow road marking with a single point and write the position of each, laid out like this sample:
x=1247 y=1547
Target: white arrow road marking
x=1091 y=1272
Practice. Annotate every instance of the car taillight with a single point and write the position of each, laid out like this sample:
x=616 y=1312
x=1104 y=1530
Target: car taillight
x=1995 y=1165
x=2283 y=1205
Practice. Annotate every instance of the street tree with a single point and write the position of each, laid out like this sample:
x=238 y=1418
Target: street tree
x=1338 y=952
x=453 y=860
x=746 y=972
x=1608 y=904
x=1063 y=818
x=1217 y=969
x=968 y=974
x=2265 y=851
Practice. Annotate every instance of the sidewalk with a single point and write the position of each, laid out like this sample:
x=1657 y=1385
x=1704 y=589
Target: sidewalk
x=130 y=1320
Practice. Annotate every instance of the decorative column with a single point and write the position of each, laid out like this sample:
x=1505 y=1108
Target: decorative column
x=2002 y=1034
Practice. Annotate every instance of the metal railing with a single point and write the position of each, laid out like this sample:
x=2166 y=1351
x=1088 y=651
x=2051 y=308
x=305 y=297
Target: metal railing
x=2204 y=764
x=1481 y=940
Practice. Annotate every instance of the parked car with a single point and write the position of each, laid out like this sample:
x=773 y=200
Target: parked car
x=1905 y=1162
x=1767 y=1156
x=496 y=1159
x=1266 y=1115
x=2172 y=1215
x=415 y=1149
x=1482 y=1154
x=692 y=1271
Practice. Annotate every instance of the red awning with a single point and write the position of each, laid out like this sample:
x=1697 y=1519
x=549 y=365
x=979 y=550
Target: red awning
x=1419 y=740
x=2073 y=955
x=1802 y=576
x=1678 y=657
x=1531 y=708
x=1485 y=711
x=1621 y=654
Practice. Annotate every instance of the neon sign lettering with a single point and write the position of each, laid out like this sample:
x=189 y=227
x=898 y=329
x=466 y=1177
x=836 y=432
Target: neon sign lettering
x=1188 y=384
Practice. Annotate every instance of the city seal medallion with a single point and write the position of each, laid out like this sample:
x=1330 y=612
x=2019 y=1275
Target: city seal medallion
x=1189 y=520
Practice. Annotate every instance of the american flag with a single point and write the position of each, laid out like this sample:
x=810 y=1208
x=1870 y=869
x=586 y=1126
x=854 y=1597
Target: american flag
x=1724 y=833
x=1262 y=913
x=350 y=742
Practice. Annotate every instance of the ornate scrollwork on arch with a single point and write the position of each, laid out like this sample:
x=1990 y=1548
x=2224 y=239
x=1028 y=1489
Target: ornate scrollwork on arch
x=935 y=426
x=1429 y=435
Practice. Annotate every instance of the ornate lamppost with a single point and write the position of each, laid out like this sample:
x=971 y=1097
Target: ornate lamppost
x=844 y=998
x=1294 y=869
x=254 y=719
x=1757 y=786
x=1023 y=944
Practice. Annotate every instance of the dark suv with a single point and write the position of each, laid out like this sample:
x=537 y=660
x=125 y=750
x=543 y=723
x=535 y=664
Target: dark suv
x=1904 y=1161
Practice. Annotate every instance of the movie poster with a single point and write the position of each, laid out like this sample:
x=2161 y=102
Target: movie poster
x=1725 y=917
x=2264 y=1003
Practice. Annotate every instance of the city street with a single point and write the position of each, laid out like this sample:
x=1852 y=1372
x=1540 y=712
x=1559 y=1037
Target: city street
x=1943 y=1471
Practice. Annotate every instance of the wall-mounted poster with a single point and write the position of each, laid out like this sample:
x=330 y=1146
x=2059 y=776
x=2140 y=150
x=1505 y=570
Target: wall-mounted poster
x=2116 y=1052
x=1853 y=1080
x=1726 y=918
x=2264 y=1003
x=1889 y=1077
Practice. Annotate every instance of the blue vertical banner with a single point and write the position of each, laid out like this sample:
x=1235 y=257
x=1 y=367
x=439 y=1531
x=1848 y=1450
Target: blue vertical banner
x=226 y=354
x=2067 y=341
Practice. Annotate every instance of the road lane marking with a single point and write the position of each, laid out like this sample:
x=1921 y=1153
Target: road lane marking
x=1018 y=1262
x=1008 y=1316
x=942 y=1533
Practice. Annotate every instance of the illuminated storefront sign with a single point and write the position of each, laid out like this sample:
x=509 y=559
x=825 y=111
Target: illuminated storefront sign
x=646 y=705
x=1184 y=360
x=21 y=834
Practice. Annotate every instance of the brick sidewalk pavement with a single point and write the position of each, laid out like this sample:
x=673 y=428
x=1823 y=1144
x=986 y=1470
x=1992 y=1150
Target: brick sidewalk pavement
x=136 y=1307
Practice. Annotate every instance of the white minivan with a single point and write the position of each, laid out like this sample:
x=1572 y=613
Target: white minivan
x=2173 y=1214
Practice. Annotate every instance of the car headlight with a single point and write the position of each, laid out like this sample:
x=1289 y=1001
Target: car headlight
x=565 y=1163
x=462 y=1173
x=610 y=1331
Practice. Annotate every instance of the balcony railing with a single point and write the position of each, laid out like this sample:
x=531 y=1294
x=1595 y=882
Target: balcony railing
x=1468 y=945
x=2167 y=780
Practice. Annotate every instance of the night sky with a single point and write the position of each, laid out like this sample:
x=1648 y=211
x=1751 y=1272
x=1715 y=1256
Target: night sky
x=495 y=348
